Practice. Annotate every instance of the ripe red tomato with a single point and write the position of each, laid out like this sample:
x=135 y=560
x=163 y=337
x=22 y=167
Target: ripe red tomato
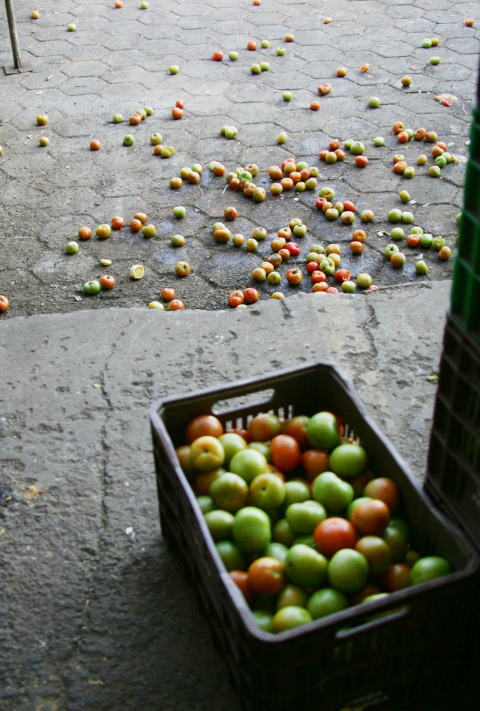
x=168 y=293
x=295 y=176
x=107 y=281
x=3 y=303
x=318 y=276
x=315 y=105
x=397 y=577
x=297 y=428
x=117 y=222
x=289 y=160
x=294 y=276
x=349 y=206
x=286 y=454
x=331 y=290
x=217 y=56
x=235 y=298
x=333 y=534
x=240 y=578
x=263 y=427
x=177 y=113
x=356 y=247
x=230 y=213
x=202 y=426
x=175 y=305
x=321 y=286
x=398 y=127
x=334 y=144
x=342 y=275
x=322 y=154
x=361 y=161
x=266 y=576
x=359 y=236
x=250 y=295
x=252 y=45
x=315 y=461
x=413 y=240
x=312 y=267
x=293 y=248
x=372 y=517
x=384 y=489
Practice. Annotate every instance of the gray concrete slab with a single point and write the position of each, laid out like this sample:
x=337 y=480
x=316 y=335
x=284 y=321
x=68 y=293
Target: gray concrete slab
x=94 y=612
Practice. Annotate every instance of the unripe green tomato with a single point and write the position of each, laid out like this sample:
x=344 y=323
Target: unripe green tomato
x=197 y=168
x=378 y=141
x=390 y=249
x=407 y=218
x=434 y=171
x=427 y=43
x=173 y=69
x=447 y=156
x=287 y=95
x=374 y=102
x=264 y=66
x=394 y=215
x=91 y=287
x=348 y=287
x=426 y=241
x=230 y=132
x=314 y=171
x=364 y=280
x=410 y=133
x=404 y=196
x=311 y=183
x=348 y=144
x=280 y=51
x=416 y=230
x=357 y=148
x=300 y=187
x=179 y=211
x=72 y=248
x=438 y=243
x=233 y=56
x=265 y=44
x=397 y=234
x=422 y=159
x=282 y=137
x=255 y=69
x=458 y=217
x=274 y=278
x=251 y=245
x=177 y=240
x=409 y=172
x=421 y=267
x=434 y=60
x=441 y=161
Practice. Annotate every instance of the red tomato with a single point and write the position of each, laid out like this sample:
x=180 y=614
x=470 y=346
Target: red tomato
x=202 y=426
x=250 y=295
x=342 y=275
x=179 y=104
x=334 y=144
x=349 y=206
x=117 y=222
x=397 y=577
x=286 y=453
x=266 y=576
x=168 y=293
x=230 y=213
x=95 y=145
x=360 y=482
x=413 y=240
x=177 y=113
x=263 y=427
x=135 y=225
x=384 y=489
x=315 y=461
x=331 y=290
x=320 y=202
x=240 y=578
x=252 y=46
x=312 y=267
x=293 y=248
x=315 y=105
x=235 y=298
x=359 y=236
x=295 y=176
x=217 y=56
x=361 y=161
x=372 y=517
x=322 y=154
x=294 y=276
x=318 y=276
x=3 y=303
x=107 y=281
x=84 y=232
x=333 y=534
x=289 y=160
x=356 y=247
x=297 y=428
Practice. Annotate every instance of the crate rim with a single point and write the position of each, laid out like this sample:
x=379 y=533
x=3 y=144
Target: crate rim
x=239 y=387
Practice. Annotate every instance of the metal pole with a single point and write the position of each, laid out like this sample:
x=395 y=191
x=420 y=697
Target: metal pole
x=12 y=27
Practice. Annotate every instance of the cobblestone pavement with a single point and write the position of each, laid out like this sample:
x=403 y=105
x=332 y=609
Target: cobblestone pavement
x=117 y=61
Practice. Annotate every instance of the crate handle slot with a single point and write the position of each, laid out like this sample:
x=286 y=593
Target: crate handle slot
x=393 y=616
x=263 y=398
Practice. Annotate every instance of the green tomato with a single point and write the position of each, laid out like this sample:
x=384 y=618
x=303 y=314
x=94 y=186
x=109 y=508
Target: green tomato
x=179 y=211
x=280 y=51
x=177 y=241
x=267 y=491
x=407 y=218
x=305 y=517
x=229 y=492
x=459 y=218
x=394 y=215
x=397 y=234
x=248 y=464
x=348 y=460
x=434 y=60
x=292 y=595
x=148 y=110
x=263 y=619
x=314 y=171
x=264 y=448
x=434 y=171
x=326 y=602
x=265 y=44
x=409 y=172
x=438 y=243
x=328 y=489
x=397 y=543
x=128 y=140
x=378 y=141
x=251 y=530
x=283 y=533
x=348 y=144
x=441 y=161
x=400 y=525
x=233 y=56
x=255 y=69
x=289 y=617
x=348 y=570
x=117 y=118
x=305 y=567
x=277 y=550
x=427 y=43
x=404 y=196
x=220 y=524
x=374 y=102
x=287 y=95
x=348 y=287
x=91 y=287
x=416 y=230
x=71 y=27
x=264 y=66
x=355 y=503
x=357 y=148
x=296 y=492
x=206 y=504
x=322 y=428
x=72 y=247
x=429 y=568
x=232 y=443
x=174 y=69
x=282 y=137
x=306 y=541
x=390 y=249
x=421 y=267
x=426 y=240
x=231 y=556
x=230 y=132
x=364 y=280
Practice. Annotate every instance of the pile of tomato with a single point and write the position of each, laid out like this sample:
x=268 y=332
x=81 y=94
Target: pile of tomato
x=302 y=525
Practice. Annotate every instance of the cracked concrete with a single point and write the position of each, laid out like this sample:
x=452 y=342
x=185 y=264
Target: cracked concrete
x=94 y=612
x=117 y=61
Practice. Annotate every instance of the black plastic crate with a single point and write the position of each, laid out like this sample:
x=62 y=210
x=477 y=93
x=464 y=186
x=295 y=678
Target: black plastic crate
x=330 y=663
x=453 y=469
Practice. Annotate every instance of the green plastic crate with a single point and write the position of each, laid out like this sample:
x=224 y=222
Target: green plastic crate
x=466 y=275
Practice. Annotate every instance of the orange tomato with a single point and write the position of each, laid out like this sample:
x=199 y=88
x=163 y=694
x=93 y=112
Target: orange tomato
x=285 y=452
x=333 y=534
x=203 y=480
x=202 y=426
x=263 y=427
x=384 y=489
x=315 y=461
x=175 y=305
x=3 y=303
x=372 y=517
x=297 y=428
x=117 y=222
x=135 y=225
x=84 y=232
x=397 y=577
x=266 y=576
x=107 y=281
x=177 y=113
x=142 y=216
x=240 y=578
